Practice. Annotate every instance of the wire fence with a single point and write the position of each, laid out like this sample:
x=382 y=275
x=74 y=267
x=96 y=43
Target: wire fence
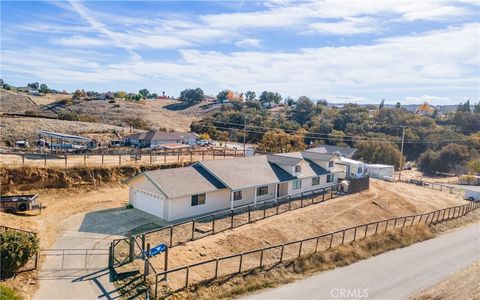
x=137 y=157
x=173 y=280
x=433 y=185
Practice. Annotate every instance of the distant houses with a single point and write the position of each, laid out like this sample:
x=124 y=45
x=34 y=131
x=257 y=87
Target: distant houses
x=156 y=138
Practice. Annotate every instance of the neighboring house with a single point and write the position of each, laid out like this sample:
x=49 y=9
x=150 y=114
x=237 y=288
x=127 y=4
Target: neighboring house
x=384 y=172
x=344 y=151
x=353 y=168
x=209 y=186
x=154 y=138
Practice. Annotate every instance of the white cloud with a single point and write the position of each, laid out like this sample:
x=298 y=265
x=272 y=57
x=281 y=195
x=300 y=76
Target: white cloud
x=249 y=43
x=426 y=98
x=348 y=26
x=80 y=41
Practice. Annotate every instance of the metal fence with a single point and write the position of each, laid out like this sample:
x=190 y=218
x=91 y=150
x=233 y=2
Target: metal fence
x=74 y=259
x=180 y=278
x=115 y=158
x=433 y=185
x=32 y=263
x=218 y=222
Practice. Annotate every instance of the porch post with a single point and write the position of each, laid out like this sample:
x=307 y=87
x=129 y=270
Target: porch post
x=276 y=191
x=231 y=199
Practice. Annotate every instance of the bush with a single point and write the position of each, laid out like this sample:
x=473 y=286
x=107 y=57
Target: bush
x=16 y=248
x=7 y=293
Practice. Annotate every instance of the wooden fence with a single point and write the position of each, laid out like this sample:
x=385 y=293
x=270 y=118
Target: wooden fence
x=181 y=277
x=117 y=158
x=433 y=185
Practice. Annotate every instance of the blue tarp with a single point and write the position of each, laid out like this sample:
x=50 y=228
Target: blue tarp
x=157 y=250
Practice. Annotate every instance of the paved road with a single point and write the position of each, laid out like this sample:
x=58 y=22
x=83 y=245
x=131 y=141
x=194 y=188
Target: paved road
x=393 y=275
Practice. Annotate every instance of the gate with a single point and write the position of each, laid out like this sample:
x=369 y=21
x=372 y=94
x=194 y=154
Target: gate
x=74 y=259
x=121 y=252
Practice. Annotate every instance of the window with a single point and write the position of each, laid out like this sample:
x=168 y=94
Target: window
x=263 y=190
x=237 y=195
x=315 y=180
x=330 y=164
x=329 y=178
x=298 y=169
x=198 y=199
x=296 y=184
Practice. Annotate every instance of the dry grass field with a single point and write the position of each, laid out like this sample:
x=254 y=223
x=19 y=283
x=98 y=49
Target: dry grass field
x=383 y=200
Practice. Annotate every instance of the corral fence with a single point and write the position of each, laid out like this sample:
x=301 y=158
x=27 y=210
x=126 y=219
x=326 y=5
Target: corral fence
x=115 y=158
x=32 y=263
x=74 y=259
x=433 y=185
x=173 y=280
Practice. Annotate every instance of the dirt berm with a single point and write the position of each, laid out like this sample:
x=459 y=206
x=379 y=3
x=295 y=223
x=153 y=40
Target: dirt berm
x=28 y=178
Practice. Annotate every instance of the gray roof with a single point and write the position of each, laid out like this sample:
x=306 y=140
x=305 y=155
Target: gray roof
x=345 y=151
x=240 y=173
x=63 y=136
x=178 y=182
x=156 y=135
x=291 y=158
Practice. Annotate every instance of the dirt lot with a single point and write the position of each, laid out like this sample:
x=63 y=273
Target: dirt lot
x=465 y=283
x=383 y=200
x=63 y=203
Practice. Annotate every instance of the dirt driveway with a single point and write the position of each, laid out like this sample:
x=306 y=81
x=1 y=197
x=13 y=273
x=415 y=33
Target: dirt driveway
x=76 y=265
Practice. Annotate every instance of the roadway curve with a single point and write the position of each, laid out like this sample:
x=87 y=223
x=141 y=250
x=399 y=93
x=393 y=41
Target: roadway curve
x=396 y=274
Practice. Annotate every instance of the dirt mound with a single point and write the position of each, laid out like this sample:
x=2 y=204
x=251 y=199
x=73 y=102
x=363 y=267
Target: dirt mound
x=28 y=178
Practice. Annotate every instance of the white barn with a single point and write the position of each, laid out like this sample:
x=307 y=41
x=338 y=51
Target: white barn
x=384 y=172
x=214 y=185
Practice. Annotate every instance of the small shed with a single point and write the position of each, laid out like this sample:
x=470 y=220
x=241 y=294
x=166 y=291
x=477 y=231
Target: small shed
x=472 y=193
x=378 y=171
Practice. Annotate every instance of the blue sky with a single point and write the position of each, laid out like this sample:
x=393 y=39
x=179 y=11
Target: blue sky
x=357 y=51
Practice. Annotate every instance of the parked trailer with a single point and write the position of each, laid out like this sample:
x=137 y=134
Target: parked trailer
x=472 y=193
x=19 y=203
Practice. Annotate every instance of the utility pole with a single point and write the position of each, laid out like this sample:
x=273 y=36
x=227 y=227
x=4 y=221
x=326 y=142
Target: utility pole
x=244 y=136
x=401 y=155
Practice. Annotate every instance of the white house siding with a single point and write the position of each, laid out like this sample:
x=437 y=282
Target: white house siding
x=247 y=197
x=307 y=184
x=181 y=207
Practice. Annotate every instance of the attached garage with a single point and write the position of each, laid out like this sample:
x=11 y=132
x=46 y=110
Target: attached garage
x=148 y=202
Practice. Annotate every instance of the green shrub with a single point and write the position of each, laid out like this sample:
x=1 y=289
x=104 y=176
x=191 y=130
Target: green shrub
x=16 y=248
x=7 y=293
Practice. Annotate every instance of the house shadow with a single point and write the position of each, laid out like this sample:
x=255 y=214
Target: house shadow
x=120 y=221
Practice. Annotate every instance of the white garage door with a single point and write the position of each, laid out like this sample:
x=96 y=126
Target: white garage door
x=148 y=202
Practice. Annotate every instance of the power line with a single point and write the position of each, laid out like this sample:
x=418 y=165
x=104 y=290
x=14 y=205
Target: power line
x=327 y=136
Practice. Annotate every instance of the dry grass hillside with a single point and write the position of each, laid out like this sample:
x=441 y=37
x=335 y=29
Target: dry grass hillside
x=26 y=128
x=383 y=200
x=151 y=111
x=17 y=103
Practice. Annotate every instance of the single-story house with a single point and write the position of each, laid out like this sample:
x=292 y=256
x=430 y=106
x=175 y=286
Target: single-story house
x=213 y=185
x=472 y=193
x=384 y=172
x=344 y=151
x=154 y=138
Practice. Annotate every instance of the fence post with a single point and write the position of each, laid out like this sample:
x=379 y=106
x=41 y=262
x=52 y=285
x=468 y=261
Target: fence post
x=249 y=210
x=300 y=249
x=186 y=276
x=240 y=266
x=289 y=203
x=343 y=236
x=331 y=240
x=143 y=242
x=323 y=194
x=366 y=231
x=193 y=229
x=276 y=209
x=131 y=249
x=404 y=221
x=66 y=158
x=395 y=224
x=438 y=217
x=261 y=258
x=413 y=220
x=331 y=192
x=355 y=234
x=171 y=236
x=145 y=264
x=231 y=218
x=165 y=267
x=216 y=269
x=213 y=224
x=281 y=252
x=264 y=210
x=316 y=244
x=203 y=155
x=376 y=228
x=23 y=159
x=301 y=200
x=386 y=226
